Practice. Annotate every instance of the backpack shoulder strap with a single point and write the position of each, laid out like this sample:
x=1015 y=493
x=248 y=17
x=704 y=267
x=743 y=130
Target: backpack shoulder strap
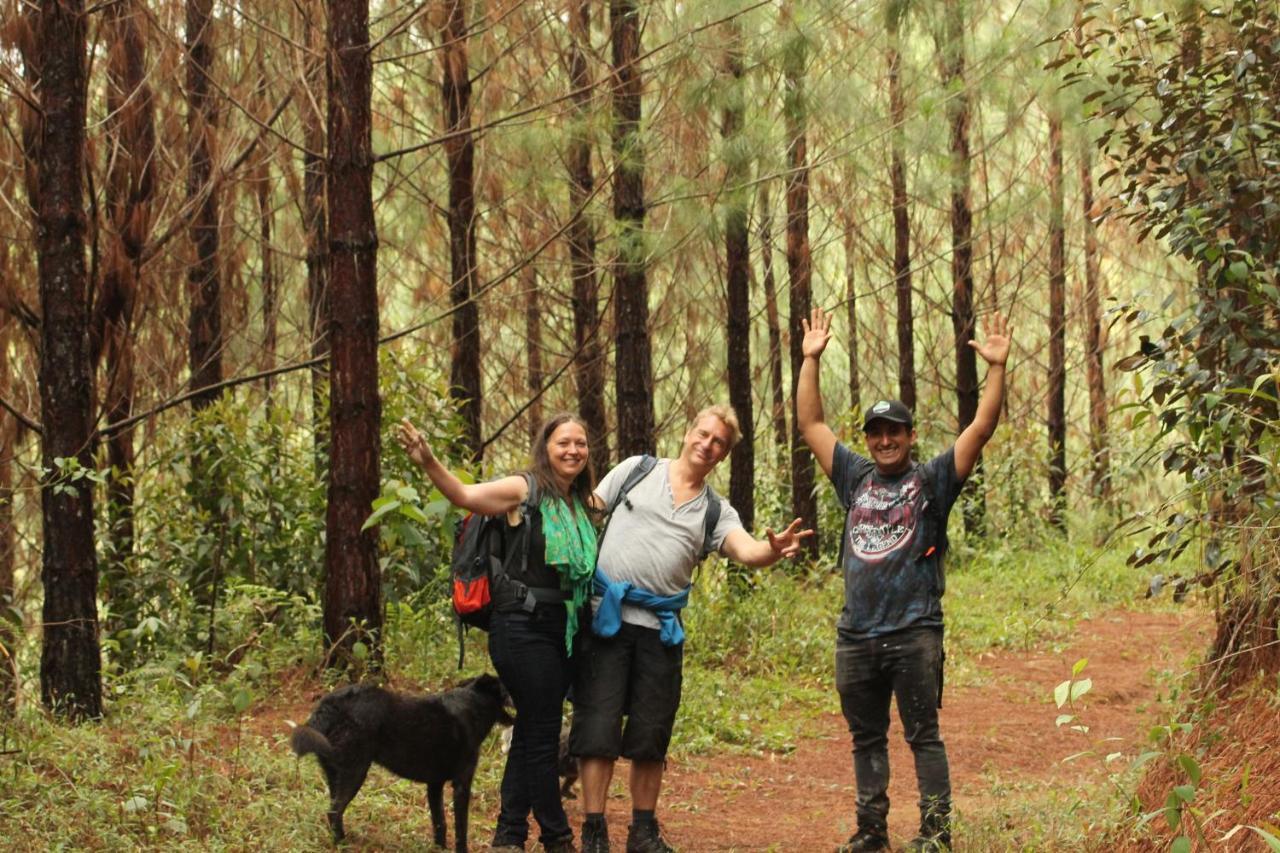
x=862 y=470
x=933 y=511
x=710 y=522
x=641 y=470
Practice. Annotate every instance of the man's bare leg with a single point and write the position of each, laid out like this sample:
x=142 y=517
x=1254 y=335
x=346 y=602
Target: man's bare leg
x=595 y=775
x=646 y=784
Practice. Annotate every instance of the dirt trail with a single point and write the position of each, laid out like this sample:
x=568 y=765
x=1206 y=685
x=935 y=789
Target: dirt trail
x=1002 y=730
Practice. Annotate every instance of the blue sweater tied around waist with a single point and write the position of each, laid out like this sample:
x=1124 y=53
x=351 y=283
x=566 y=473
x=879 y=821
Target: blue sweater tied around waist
x=613 y=594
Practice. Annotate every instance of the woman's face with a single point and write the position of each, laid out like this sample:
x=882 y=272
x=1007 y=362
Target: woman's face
x=567 y=450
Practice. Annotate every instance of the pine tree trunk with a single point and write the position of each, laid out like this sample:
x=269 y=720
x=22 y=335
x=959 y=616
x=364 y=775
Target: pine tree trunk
x=973 y=505
x=8 y=536
x=270 y=299
x=317 y=237
x=204 y=288
x=129 y=189
x=1057 y=420
x=778 y=413
x=799 y=269
x=70 y=676
x=589 y=364
x=1095 y=342
x=460 y=153
x=901 y=220
x=533 y=348
x=737 y=266
x=353 y=585
x=851 y=309
x=633 y=359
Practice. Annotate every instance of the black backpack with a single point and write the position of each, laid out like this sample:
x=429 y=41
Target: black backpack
x=486 y=555
x=642 y=469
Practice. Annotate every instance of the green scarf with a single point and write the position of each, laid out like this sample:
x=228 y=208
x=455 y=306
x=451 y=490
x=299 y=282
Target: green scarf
x=571 y=548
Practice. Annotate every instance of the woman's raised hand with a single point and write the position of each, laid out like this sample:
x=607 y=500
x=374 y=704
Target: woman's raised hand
x=413 y=442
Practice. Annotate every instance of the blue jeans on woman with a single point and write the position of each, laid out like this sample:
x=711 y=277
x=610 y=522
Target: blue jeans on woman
x=528 y=651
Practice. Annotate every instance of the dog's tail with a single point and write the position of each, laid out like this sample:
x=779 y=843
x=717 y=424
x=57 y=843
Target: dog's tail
x=306 y=740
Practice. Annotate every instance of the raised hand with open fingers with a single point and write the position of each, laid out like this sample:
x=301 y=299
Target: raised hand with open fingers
x=817 y=332
x=994 y=349
x=413 y=442
x=787 y=543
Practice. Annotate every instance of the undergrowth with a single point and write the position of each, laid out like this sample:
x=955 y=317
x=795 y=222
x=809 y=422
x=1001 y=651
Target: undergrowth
x=193 y=751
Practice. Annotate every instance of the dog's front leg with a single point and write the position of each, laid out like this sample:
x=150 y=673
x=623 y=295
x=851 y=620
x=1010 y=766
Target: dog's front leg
x=435 y=802
x=461 y=805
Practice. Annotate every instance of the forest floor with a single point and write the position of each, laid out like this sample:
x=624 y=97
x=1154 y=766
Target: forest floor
x=1001 y=737
x=1008 y=757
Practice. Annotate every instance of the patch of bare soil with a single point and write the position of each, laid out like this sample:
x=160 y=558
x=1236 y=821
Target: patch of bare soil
x=1004 y=729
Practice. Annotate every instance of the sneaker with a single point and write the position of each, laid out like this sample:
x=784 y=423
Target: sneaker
x=865 y=841
x=646 y=838
x=595 y=839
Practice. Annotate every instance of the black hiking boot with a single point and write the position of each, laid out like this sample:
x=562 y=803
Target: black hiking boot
x=595 y=839
x=935 y=834
x=645 y=837
x=865 y=841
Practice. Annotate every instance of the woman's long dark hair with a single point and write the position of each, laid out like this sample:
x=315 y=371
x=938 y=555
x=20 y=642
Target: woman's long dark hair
x=583 y=484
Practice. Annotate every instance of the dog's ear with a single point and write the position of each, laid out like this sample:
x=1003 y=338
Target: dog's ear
x=493 y=687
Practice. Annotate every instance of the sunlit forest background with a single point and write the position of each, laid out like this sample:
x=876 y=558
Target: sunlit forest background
x=238 y=242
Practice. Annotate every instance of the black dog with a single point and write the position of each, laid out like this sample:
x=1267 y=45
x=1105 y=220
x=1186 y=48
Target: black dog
x=431 y=739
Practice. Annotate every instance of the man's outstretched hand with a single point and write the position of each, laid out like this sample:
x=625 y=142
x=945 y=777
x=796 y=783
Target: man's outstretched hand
x=995 y=348
x=787 y=543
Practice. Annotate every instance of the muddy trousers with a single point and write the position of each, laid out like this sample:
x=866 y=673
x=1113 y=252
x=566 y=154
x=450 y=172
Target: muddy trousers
x=906 y=665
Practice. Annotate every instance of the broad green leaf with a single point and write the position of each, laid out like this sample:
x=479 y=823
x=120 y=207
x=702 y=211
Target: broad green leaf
x=1063 y=719
x=136 y=803
x=241 y=700
x=360 y=650
x=1192 y=769
x=1181 y=844
x=379 y=513
x=1080 y=688
x=1079 y=667
x=1186 y=793
x=1061 y=693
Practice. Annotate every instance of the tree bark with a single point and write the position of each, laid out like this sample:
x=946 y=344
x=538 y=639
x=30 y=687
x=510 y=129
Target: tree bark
x=901 y=220
x=204 y=286
x=589 y=363
x=799 y=268
x=973 y=504
x=1057 y=420
x=314 y=223
x=633 y=360
x=851 y=309
x=70 y=668
x=460 y=154
x=778 y=413
x=8 y=535
x=533 y=348
x=353 y=584
x=129 y=189
x=270 y=299
x=1095 y=342
x=737 y=253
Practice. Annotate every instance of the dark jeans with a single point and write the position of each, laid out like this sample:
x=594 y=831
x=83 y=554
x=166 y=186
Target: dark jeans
x=529 y=653
x=907 y=665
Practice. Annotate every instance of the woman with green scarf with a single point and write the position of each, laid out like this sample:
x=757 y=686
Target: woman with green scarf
x=536 y=615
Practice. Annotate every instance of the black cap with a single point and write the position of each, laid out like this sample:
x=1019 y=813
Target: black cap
x=887 y=410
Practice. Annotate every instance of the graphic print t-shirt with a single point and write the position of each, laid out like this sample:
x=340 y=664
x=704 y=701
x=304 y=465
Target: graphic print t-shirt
x=892 y=578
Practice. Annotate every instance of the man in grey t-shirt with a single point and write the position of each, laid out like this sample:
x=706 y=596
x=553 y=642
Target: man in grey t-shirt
x=653 y=542
x=889 y=637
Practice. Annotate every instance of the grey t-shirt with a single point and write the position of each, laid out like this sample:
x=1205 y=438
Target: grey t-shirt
x=655 y=544
x=892 y=573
